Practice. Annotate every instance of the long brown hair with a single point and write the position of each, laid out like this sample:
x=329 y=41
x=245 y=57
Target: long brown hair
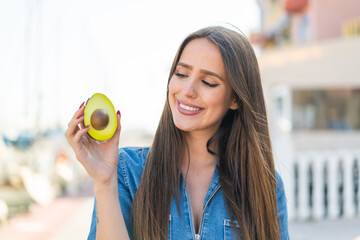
x=247 y=172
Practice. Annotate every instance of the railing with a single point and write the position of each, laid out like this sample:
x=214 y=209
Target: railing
x=326 y=184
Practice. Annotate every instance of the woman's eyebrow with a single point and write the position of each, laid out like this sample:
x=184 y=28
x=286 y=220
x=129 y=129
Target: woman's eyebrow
x=203 y=71
x=185 y=65
x=212 y=74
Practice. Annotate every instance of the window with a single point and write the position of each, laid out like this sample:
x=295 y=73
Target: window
x=335 y=109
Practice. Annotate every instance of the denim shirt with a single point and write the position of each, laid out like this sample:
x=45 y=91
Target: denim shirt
x=215 y=221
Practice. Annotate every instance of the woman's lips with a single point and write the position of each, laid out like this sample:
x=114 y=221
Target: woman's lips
x=188 y=109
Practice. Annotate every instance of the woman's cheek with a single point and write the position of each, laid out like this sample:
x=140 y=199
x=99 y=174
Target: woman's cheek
x=173 y=87
x=171 y=91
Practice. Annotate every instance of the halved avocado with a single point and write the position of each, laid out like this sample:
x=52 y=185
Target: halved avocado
x=100 y=116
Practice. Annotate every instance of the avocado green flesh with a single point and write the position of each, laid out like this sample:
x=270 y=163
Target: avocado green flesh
x=98 y=111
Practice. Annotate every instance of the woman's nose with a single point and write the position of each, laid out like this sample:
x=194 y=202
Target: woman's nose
x=189 y=89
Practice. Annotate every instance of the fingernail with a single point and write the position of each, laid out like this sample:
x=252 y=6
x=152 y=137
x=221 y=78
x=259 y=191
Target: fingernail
x=87 y=100
x=80 y=115
x=82 y=105
x=87 y=126
x=118 y=113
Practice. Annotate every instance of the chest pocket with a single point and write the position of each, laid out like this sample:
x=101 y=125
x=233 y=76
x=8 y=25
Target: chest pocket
x=229 y=231
x=169 y=228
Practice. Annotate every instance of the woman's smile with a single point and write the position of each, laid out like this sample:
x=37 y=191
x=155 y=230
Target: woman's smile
x=187 y=108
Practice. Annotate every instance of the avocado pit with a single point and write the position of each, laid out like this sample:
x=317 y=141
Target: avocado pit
x=99 y=119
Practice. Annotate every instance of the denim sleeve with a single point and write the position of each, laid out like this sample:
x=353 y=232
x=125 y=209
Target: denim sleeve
x=124 y=198
x=282 y=208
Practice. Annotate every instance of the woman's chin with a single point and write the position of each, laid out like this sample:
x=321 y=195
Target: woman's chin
x=184 y=128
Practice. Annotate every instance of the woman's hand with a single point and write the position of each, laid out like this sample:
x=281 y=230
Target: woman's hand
x=100 y=159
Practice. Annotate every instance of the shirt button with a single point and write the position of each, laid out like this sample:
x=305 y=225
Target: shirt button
x=197 y=236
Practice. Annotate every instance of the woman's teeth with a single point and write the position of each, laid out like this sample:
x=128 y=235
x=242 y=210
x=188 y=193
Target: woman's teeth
x=189 y=108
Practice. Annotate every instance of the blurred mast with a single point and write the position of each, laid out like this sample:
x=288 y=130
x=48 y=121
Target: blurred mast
x=33 y=63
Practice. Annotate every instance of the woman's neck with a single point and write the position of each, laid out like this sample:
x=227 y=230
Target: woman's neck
x=200 y=158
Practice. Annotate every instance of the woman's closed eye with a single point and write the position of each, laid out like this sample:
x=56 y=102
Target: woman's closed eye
x=180 y=75
x=209 y=84
x=206 y=83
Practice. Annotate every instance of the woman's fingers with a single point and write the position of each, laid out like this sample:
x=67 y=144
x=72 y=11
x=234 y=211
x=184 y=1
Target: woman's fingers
x=79 y=112
x=75 y=134
x=82 y=122
x=80 y=133
x=74 y=122
x=73 y=127
x=118 y=129
x=117 y=132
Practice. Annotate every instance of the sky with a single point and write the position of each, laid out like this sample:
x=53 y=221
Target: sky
x=56 y=54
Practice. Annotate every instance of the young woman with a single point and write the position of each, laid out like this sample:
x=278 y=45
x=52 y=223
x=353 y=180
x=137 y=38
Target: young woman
x=209 y=173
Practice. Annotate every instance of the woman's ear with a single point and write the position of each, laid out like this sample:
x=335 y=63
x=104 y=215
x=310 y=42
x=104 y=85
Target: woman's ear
x=234 y=105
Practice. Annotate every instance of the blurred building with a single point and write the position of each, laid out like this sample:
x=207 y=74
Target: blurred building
x=310 y=67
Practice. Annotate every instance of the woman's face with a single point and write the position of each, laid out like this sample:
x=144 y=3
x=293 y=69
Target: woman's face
x=199 y=91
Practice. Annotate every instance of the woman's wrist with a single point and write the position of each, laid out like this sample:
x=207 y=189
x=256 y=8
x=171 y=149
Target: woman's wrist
x=108 y=185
